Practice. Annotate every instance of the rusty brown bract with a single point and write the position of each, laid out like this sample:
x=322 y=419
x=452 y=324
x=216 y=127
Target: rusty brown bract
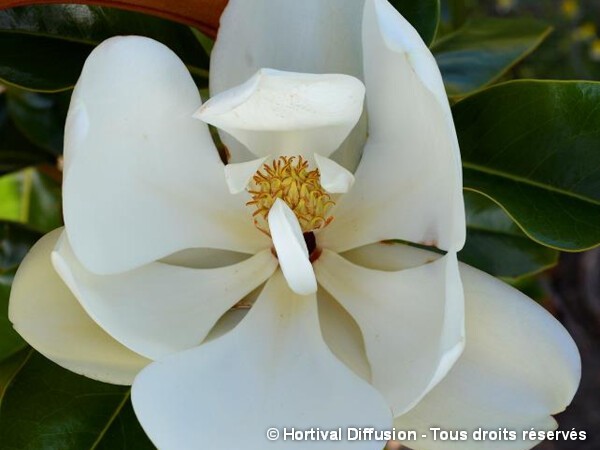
x=201 y=14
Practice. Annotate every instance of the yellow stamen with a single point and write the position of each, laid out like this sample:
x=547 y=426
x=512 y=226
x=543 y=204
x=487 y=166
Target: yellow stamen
x=299 y=187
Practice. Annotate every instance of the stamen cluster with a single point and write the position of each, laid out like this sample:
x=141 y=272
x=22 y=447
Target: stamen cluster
x=289 y=179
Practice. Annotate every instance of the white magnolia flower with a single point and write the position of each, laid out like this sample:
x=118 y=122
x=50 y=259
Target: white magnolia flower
x=162 y=241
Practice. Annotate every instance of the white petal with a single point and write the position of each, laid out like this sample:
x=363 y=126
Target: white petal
x=238 y=175
x=334 y=178
x=408 y=184
x=350 y=152
x=310 y=36
x=390 y=256
x=204 y=258
x=159 y=308
x=291 y=249
x=519 y=367
x=226 y=323
x=517 y=358
x=342 y=335
x=143 y=178
x=47 y=315
x=272 y=370
x=287 y=113
x=412 y=321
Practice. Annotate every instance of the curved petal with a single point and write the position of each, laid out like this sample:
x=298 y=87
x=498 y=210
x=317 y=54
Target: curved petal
x=519 y=367
x=239 y=175
x=390 y=256
x=409 y=182
x=226 y=323
x=291 y=249
x=342 y=335
x=311 y=36
x=412 y=321
x=159 y=309
x=142 y=176
x=286 y=113
x=204 y=258
x=272 y=370
x=48 y=316
x=350 y=152
x=334 y=178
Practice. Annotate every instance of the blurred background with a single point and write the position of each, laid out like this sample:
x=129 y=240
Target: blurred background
x=571 y=52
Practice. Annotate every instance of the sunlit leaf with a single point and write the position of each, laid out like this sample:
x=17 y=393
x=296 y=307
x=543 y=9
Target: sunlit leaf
x=31 y=197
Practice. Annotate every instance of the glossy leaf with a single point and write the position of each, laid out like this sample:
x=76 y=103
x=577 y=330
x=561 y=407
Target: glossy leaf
x=30 y=62
x=424 y=15
x=125 y=432
x=15 y=242
x=47 y=407
x=497 y=245
x=534 y=148
x=10 y=341
x=16 y=151
x=9 y=368
x=201 y=14
x=34 y=38
x=45 y=203
x=39 y=117
x=483 y=50
x=32 y=198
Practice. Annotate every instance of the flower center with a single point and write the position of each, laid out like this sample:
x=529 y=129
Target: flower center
x=290 y=179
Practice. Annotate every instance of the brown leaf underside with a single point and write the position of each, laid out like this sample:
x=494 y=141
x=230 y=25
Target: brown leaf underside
x=201 y=14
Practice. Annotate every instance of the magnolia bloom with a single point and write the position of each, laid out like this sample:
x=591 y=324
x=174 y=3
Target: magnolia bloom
x=262 y=289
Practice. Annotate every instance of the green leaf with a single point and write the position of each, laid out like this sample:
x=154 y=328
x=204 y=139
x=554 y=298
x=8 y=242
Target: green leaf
x=533 y=147
x=9 y=368
x=47 y=407
x=124 y=432
x=40 y=117
x=16 y=151
x=43 y=48
x=483 y=50
x=32 y=198
x=10 y=341
x=424 y=15
x=15 y=241
x=497 y=246
x=40 y=63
